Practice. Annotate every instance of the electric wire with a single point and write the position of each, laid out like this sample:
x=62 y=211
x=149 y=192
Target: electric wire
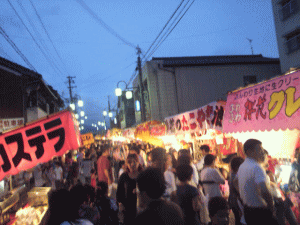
x=162 y=40
x=102 y=23
x=47 y=33
x=164 y=27
x=53 y=66
x=7 y=38
x=36 y=32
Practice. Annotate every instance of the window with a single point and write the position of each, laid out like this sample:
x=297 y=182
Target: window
x=289 y=7
x=293 y=41
x=249 y=80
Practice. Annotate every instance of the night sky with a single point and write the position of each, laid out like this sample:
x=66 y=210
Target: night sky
x=99 y=59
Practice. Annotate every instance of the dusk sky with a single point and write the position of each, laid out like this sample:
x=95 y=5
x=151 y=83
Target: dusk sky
x=99 y=60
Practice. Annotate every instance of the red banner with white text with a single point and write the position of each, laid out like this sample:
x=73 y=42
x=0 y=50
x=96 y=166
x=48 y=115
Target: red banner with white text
x=38 y=142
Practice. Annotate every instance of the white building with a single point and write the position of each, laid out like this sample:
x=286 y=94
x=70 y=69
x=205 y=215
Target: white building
x=287 y=24
x=179 y=84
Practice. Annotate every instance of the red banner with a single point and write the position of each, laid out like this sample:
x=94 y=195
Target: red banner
x=38 y=142
x=158 y=130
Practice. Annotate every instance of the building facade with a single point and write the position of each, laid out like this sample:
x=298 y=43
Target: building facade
x=24 y=96
x=126 y=114
x=287 y=24
x=179 y=84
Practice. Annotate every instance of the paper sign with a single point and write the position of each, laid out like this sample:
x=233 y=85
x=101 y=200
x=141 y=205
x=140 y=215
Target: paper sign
x=270 y=105
x=39 y=142
x=87 y=139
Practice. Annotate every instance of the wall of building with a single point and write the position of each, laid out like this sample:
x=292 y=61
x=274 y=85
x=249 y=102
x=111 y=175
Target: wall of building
x=283 y=27
x=11 y=95
x=197 y=86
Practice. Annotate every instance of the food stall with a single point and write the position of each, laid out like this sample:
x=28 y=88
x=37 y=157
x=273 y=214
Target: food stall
x=268 y=111
x=198 y=127
x=148 y=132
x=21 y=150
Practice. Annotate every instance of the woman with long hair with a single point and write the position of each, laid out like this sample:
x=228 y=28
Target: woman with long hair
x=127 y=190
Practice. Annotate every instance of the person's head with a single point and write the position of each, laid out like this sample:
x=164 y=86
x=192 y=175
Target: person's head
x=151 y=183
x=59 y=202
x=184 y=159
x=135 y=149
x=253 y=149
x=218 y=209
x=209 y=160
x=132 y=163
x=122 y=164
x=183 y=152
x=184 y=172
x=235 y=164
x=205 y=149
x=80 y=195
x=91 y=193
x=158 y=158
x=105 y=149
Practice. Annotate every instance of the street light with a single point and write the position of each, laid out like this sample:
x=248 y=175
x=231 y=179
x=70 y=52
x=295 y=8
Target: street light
x=85 y=117
x=104 y=113
x=115 y=120
x=128 y=94
x=82 y=113
x=99 y=123
x=80 y=103
x=76 y=116
x=72 y=106
x=118 y=91
x=81 y=121
x=110 y=114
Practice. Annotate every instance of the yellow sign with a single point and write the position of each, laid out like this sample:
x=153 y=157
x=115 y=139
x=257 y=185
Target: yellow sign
x=87 y=139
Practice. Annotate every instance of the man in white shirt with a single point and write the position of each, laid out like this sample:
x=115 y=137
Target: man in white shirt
x=58 y=176
x=211 y=178
x=205 y=151
x=253 y=188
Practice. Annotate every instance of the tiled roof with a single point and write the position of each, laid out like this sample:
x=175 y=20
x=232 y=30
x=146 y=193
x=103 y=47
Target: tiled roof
x=216 y=60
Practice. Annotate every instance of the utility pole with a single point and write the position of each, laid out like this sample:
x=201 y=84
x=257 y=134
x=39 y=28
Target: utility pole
x=71 y=81
x=250 y=40
x=143 y=113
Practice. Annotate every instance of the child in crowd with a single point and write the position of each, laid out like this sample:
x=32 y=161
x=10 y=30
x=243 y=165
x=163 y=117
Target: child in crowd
x=224 y=187
x=187 y=196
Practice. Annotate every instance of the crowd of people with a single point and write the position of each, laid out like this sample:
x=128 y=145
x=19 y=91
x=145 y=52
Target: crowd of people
x=142 y=184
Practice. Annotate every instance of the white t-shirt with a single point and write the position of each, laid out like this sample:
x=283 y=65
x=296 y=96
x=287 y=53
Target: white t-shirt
x=249 y=175
x=195 y=177
x=170 y=182
x=214 y=175
x=58 y=173
x=200 y=164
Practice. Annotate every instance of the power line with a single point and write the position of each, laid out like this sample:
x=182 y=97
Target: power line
x=40 y=19
x=162 y=40
x=36 y=32
x=33 y=37
x=164 y=27
x=7 y=38
x=102 y=23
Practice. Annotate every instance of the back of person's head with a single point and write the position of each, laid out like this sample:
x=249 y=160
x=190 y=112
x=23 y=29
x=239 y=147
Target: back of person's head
x=90 y=190
x=204 y=148
x=183 y=152
x=121 y=163
x=250 y=146
x=87 y=154
x=184 y=159
x=209 y=159
x=59 y=206
x=235 y=163
x=158 y=157
x=105 y=148
x=152 y=182
x=218 y=209
x=184 y=172
x=79 y=195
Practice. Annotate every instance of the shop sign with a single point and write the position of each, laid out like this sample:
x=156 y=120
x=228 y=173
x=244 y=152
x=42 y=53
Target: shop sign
x=38 y=142
x=87 y=139
x=270 y=105
x=158 y=130
x=198 y=120
x=7 y=124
